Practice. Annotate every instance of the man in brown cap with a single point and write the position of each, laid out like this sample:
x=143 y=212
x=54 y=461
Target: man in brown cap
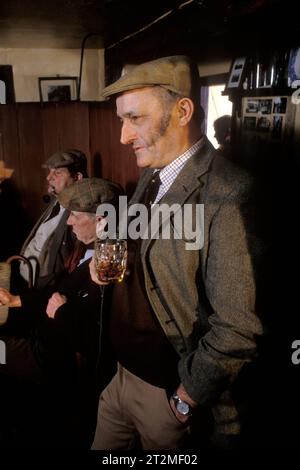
x=65 y=320
x=183 y=324
x=50 y=243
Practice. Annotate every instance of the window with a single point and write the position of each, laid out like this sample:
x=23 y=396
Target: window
x=218 y=105
x=214 y=103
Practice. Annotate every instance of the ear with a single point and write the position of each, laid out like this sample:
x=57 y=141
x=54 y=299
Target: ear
x=185 y=108
x=78 y=176
x=100 y=226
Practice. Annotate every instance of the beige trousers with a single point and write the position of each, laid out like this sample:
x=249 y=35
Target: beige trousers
x=131 y=409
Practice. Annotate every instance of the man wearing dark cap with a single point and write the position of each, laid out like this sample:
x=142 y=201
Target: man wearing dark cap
x=183 y=325
x=50 y=244
x=64 y=323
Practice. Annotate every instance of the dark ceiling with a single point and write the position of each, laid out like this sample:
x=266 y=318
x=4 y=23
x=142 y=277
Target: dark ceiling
x=57 y=23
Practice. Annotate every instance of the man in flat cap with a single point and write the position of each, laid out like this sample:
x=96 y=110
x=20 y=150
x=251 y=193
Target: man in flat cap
x=50 y=243
x=184 y=324
x=63 y=324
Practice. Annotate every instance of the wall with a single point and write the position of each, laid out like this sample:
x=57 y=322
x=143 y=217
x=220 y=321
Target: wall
x=207 y=68
x=30 y=133
x=29 y=64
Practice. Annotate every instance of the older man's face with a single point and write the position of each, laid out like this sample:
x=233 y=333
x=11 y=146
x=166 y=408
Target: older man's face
x=58 y=179
x=148 y=127
x=83 y=225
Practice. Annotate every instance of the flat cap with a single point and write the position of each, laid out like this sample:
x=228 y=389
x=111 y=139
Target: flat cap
x=85 y=195
x=65 y=158
x=175 y=73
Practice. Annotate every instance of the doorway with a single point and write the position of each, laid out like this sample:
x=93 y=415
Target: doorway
x=214 y=103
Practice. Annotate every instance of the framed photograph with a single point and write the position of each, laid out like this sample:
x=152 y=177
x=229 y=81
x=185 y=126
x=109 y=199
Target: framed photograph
x=7 y=91
x=235 y=77
x=294 y=67
x=249 y=123
x=263 y=124
x=252 y=106
x=277 y=127
x=265 y=106
x=279 y=106
x=58 y=89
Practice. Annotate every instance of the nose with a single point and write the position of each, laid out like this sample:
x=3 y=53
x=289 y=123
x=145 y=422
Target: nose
x=70 y=220
x=128 y=135
x=49 y=176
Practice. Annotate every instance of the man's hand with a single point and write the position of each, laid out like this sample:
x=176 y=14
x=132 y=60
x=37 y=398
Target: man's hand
x=182 y=394
x=56 y=301
x=94 y=275
x=9 y=300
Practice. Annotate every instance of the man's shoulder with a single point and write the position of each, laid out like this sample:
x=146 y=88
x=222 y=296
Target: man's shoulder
x=230 y=176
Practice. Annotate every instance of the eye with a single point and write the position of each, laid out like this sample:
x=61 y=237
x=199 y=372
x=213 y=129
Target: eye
x=134 y=119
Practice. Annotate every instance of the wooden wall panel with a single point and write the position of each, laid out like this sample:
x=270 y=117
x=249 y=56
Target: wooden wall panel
x=66 y=126
x=31 y=132
x=9 y=141
x=111 y=159
x=50 y=131
x=31 y=157
x=100 y=140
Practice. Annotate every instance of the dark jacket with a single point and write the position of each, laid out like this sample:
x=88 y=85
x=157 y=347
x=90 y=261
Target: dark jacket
x=73 y=335
x=56 y=249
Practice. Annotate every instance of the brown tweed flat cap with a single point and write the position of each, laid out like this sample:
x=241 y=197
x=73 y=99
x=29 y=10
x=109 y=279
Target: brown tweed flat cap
x=176 y=73
x=65 y=158
x=87 y=194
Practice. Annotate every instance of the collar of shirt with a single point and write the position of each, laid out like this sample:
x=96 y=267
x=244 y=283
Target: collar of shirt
x=170 y=172
x=88 y=254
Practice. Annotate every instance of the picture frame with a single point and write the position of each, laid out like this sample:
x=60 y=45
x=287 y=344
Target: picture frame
x=252 y=105
x=7 y=90
x=249 y=123
x=58 y=89
x=265 y=117
x=277 y=127
x=265 y=106
x=263 y=124
x=279 y=106
x=294 y=67
x=236 y=73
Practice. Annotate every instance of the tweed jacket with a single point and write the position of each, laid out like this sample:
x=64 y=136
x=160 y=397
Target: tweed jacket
x=205 y=299
x=55 y=250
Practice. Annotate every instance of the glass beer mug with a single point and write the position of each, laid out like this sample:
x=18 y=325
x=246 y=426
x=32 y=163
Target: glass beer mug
x=110 y=260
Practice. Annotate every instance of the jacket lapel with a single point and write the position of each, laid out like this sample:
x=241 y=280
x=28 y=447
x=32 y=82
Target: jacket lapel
x=188 y=181
x=41 y=219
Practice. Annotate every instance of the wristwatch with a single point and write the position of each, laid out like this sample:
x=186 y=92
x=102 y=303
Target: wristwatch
x=182 y=406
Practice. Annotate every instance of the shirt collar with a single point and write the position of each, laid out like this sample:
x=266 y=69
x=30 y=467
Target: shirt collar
x=88 y=254
x=176 y=165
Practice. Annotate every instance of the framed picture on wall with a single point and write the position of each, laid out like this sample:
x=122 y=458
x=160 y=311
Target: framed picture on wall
x=236 y=73
x=58 y=89
x=7 y=91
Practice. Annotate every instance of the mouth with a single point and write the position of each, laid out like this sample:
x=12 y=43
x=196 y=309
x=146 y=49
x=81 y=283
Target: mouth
x=137 y=149
x=51 y=190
